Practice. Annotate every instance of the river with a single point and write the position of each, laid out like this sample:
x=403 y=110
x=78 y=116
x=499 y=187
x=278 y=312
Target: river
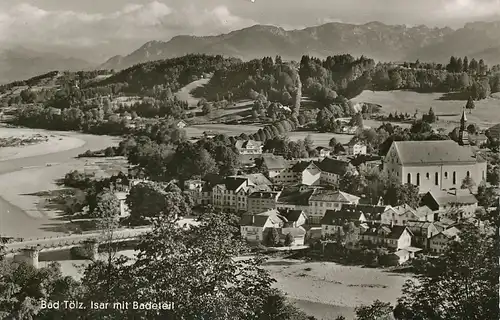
x=29 y=174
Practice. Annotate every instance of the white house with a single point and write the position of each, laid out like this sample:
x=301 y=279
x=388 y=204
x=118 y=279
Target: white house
x=302 y=172
x=248 y=146
x=253 y=227
x=354 y=148
x=401 y=215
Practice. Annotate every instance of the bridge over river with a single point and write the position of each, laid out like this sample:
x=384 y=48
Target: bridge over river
x=28 y=250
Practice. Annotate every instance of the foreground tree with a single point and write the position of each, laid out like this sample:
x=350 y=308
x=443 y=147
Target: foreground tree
x=462 y=283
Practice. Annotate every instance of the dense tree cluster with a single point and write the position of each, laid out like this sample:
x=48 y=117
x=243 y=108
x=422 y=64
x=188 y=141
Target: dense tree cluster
x=325 y=80
x=153 y=78
x=291 y=149
x=274 y=80
x=380 y=139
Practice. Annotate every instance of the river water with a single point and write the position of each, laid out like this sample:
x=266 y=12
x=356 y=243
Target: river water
x=16 y=222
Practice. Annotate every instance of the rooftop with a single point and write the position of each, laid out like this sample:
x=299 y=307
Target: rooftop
x=462 y=196
x=434 y=152
x=336 y=217
x=334 y=166
x=333 y=196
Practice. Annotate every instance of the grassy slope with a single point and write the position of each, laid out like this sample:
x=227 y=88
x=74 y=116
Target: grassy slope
x=486 y=114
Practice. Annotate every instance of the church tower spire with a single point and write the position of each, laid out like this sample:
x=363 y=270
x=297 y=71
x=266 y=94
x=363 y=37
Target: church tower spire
x=463 y=133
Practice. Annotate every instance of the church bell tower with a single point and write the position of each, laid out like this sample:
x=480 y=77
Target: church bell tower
x=463 y=136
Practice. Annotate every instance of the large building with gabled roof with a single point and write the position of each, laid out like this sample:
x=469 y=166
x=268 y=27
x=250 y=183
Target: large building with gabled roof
x=434 y=165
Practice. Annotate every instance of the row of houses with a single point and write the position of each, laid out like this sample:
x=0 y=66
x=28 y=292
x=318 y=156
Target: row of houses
x=252 y=147
x=403 y=240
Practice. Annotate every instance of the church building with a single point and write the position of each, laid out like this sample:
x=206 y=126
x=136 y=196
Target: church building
x=435 y=165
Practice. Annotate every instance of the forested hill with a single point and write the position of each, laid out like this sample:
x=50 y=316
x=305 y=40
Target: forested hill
x=169 y=74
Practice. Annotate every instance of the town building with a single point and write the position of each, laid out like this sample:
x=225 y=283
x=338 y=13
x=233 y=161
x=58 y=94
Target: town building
x=333 y=169
x=334 y=220
x=434 y=165
x=401 y=215
x=181 y=124
x=373 y=213
x=406 y=254
x=295 y=198
x=231 y=194
x=260 y=201
x=354 y=148
x=324 y=152
x=303 y=172
x=254 y=228
x=295 y=218
x=462 y=200
x=395 y=237
x=248 y=146
x=274 y=164
x=422 y=232
x=439 y=242
x=322 y=200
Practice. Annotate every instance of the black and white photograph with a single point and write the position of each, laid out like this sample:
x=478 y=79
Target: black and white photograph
x=250 y=159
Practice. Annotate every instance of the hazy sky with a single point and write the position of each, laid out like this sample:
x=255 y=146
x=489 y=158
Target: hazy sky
x=100 y=22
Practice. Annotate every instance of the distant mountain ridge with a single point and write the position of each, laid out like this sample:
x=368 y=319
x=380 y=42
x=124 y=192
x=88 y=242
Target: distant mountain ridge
x=374 y=39
x=21 y=63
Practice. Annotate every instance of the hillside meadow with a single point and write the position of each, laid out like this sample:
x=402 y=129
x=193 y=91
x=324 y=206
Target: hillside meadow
x=486 y=113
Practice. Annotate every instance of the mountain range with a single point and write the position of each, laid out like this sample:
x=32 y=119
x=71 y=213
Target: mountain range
x=480 y=40
x=376 y=40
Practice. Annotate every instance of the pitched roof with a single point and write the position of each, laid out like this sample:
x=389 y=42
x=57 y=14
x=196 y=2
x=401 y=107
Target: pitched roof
x=462 y=196
x=291 y=215
x=334 y=217
x=256 y=178
x=294 y=195
x=372 y=210
x=244 y=144
x=332 y=196
x=232 y=183
x=450 y=233
x=259 y=220
x=433 y=152
x=334 y=166
x=275 y=162
x=402 y=209
x=303 y=165
x=397 y=231
x=423 y=211
x=494 y=131
x=263 y=194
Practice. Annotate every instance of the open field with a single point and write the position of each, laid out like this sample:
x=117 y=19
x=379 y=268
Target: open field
x=486 y=114
x=196 y=131
x=185 y=93
x=320 y=139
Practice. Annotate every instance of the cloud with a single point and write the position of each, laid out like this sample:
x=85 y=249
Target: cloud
x=457 y=9
x=25 y=23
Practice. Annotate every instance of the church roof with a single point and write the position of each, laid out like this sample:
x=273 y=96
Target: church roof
x=433 y=152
